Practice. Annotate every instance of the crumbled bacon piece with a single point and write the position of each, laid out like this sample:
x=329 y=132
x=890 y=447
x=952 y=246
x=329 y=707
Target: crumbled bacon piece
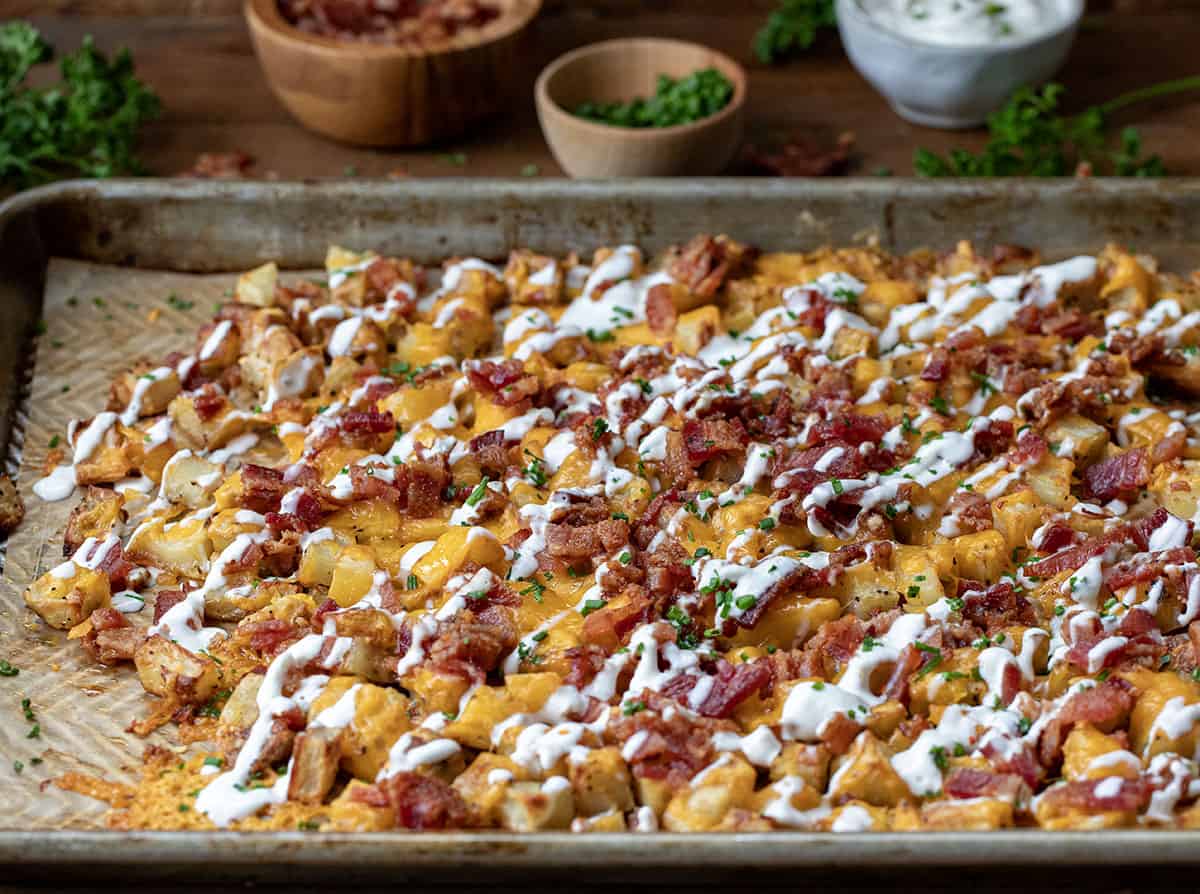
x=965 y=782
x=422 y=802
x=1117 y=475
x=371 y=422
x=999 y=606
x=262 y=488
x=1105 y=706
x=1097 y=795
x=165 y=600
x=705 y=439
x=660 y=309
x=306 y=516
x=505 y=383
x=474 y=642
x=705 y=262
x=674 y=747
x=608 y=627
x=972 y=512
x=586 y=541
x=208 y=402
x=270 y=636
x=731 y=685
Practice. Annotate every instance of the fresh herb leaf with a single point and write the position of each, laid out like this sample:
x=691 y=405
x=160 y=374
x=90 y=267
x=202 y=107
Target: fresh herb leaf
x=792 y=28
x=690 y=98
x=86 y=125
x=1030 y=137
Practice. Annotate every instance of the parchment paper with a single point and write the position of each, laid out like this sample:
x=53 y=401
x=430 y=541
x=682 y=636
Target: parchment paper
x=99 y=320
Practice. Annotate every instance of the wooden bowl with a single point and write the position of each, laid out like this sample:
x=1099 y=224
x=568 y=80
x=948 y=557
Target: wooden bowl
x=619 y=70
x=375 y=95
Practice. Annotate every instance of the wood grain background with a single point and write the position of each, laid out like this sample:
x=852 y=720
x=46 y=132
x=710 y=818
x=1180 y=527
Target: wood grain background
x=16 y=8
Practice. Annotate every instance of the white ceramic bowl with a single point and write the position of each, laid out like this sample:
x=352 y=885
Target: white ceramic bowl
x=951 y=86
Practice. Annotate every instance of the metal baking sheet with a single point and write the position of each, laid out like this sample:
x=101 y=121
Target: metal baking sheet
x=57 y=235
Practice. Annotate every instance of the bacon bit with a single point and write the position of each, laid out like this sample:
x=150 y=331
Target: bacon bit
x=802 y=156
x=1142 y=569
x=325 y=608
x=1085 y=794
x=835 y=644
x=1071 y=324
x=847 y=429
x=1057 y=537
x=965 y=782
x=608 y=627
x=666 y=571
x=114 y=565
x=585 y=661
x=999 y=606
x=674 y=749
x=490 y=450
x=994 y=436
x=307 y=517
x=1170 y=446
x=732 y=685
x=586 y=541
x=803 y=580
x=371 y=422
x=271 y=636
x=937 y=367
x=706 y=439
x=1020 y=762
x=1070 y=559
x=705 y=262
x=208 y=402
x=505 y=383
x=972 y=511
x=384 y=274
x=474 y=643
x=371 y=795
x=660 y=309
x=897 y=686
x=165 y=600
x=1030 y=448
x=234 y=165
x=262 y=488
x=423 y=802
x=1120 y=474
x=1105 y=706
x=112 y=638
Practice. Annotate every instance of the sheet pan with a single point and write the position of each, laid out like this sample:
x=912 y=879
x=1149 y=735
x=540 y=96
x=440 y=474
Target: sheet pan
x=203 y=228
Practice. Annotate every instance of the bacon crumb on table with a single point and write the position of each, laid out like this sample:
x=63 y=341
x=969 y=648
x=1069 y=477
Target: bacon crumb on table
x=717 y=541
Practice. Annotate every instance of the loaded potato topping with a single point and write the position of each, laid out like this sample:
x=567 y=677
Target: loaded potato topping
x=834 y=541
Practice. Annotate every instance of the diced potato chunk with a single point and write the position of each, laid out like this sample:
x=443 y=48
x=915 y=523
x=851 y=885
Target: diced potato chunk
x=63 y=601
x=189 y=480
x=169 y=670
x=257 y=286
x=601 y=782
x=533 y=806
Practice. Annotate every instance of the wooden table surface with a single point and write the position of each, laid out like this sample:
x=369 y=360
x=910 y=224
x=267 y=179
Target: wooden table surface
x=216 y=100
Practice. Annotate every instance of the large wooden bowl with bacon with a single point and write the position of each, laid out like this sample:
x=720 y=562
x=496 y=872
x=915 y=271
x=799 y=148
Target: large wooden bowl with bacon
x=398 y=86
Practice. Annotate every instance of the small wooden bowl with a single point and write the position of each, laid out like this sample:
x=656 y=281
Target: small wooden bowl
x=617 y=71
x=376 y=95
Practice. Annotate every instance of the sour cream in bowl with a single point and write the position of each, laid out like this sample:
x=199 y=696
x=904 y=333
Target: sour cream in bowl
x=950 y=63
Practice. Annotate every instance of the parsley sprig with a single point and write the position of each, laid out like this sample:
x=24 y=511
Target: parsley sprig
x=1030 y=137
x=792 y=28
x=84 y=126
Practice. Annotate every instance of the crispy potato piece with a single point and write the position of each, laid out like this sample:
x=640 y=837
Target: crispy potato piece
x=66 y=597
x=169 y=670
x=12 y=507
